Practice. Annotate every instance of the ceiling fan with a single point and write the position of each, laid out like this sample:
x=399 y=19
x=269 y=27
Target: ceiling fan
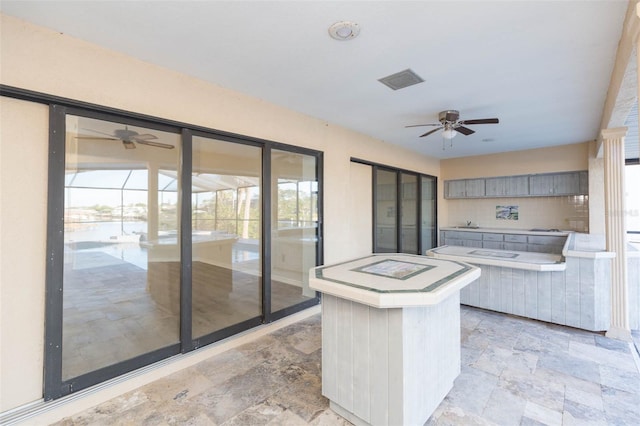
x=451 y=125
x=129 y=138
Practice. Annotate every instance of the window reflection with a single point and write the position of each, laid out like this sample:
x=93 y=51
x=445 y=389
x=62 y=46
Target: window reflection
x=386 y=214
x=120 y=205
x=226 y=234
x=295 y=227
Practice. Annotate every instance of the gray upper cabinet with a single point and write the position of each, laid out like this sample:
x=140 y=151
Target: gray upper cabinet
x=475 y=187
x=584 y=183
x=555 y=184
x=540 y=185
x=464 y=188
x=507 y=186
x=455 y=189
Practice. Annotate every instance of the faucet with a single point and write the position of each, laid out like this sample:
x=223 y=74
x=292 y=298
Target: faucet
x=469 y=223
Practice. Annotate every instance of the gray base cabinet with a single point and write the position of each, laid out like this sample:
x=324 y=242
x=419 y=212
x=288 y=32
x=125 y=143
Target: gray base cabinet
x=389 y=366
x=492 y=240
x=577 y=297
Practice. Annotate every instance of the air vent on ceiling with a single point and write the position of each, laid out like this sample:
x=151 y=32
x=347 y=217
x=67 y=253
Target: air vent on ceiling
x=401 y=79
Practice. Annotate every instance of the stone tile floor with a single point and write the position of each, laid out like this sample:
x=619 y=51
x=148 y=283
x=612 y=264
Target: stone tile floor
x=514 y=372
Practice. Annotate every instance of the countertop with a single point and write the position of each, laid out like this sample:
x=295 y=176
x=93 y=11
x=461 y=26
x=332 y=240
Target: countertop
x=505 y=231
x=506 y=258
x=577 y=245
x=393 y=280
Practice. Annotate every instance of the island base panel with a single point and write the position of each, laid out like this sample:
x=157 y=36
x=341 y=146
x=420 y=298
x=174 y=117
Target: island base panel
x=389 y=366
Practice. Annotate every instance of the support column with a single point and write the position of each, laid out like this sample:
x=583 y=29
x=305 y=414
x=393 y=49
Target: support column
x=616 y=235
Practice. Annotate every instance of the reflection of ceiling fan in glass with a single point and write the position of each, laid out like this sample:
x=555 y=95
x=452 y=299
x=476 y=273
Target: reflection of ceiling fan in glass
x=129 y=138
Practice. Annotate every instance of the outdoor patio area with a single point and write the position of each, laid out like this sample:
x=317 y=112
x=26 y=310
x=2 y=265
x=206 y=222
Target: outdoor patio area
x=514 y=372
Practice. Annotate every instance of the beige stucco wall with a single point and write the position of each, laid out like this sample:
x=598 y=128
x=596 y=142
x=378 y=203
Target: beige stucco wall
x=41 y=60
x=542 y=160
x=537 y=212
x=23 y=199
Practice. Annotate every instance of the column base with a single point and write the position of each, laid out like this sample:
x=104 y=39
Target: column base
x=619 y=334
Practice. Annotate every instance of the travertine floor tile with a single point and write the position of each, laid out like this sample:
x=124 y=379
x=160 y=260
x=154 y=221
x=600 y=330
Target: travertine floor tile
x=514 y=372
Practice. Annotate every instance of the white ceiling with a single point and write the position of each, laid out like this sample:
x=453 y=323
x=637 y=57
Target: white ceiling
x=542 y=67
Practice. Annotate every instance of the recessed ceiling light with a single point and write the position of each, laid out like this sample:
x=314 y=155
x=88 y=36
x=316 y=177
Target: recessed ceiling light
x=344 y=30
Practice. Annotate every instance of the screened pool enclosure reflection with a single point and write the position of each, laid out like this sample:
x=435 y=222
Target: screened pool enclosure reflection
x=146 y=274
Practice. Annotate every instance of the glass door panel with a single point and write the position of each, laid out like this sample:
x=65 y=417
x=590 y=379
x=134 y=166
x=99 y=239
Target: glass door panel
x=428 y=213
x=294 y=199
x=121 y=257
x=409 y=213
x=386 y=193
x=226 y=234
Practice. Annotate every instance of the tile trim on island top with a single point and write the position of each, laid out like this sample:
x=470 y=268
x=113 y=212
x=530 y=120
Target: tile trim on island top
x=429 y=288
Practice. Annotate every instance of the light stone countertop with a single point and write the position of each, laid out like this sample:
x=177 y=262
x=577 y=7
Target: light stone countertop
x=506 y=258
x=577 y=245
x=393 y=280
x=587 y=246
x=559 y=233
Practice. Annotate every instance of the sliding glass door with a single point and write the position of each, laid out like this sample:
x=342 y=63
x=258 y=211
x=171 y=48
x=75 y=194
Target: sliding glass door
x=404 y=211
x=226 y=234
x=121 y=257
x=157 y=240
x=386 y=211
x=294 y=224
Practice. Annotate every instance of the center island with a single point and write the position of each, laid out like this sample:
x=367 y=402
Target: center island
x=390 y=335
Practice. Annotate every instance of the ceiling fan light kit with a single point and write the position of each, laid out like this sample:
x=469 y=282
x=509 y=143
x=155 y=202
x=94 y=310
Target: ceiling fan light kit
x=449 y=133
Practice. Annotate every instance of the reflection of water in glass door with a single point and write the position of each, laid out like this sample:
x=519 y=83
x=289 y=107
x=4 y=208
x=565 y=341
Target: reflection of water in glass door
x=115 y=231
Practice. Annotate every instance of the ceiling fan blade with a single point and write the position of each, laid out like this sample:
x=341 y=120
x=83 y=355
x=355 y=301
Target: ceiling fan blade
x=97 y=138
x=421 y=125
x=432 y=131
x=464 y=130
x=156 y=144
x=128 y=145
x=480 y=121
x=101 y=133
x=144 y=137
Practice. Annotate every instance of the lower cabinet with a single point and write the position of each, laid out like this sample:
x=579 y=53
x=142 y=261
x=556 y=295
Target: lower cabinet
x=491 y=240
x=577 y=297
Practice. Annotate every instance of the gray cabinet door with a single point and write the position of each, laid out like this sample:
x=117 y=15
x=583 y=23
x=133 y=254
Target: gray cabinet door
x=492 y=236
x=507 y=186
x=515 y=238
x=455 y=189
x=515 y=246
x=474 y=188
x=496 y=187
x=517 y=186
x=541 y=185
x=584 y=183
x=566 y=184
x=464 y=188
x=555 y=184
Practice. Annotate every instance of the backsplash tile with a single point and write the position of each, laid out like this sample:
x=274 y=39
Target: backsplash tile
x=565 y=213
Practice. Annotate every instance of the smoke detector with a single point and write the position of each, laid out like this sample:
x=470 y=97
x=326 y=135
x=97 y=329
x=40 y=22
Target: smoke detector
x=344 y=30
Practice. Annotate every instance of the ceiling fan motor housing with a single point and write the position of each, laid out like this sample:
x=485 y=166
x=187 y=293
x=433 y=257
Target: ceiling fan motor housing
x=450 y=115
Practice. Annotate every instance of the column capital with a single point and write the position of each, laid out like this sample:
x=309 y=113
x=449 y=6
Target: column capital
x=615 y=133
